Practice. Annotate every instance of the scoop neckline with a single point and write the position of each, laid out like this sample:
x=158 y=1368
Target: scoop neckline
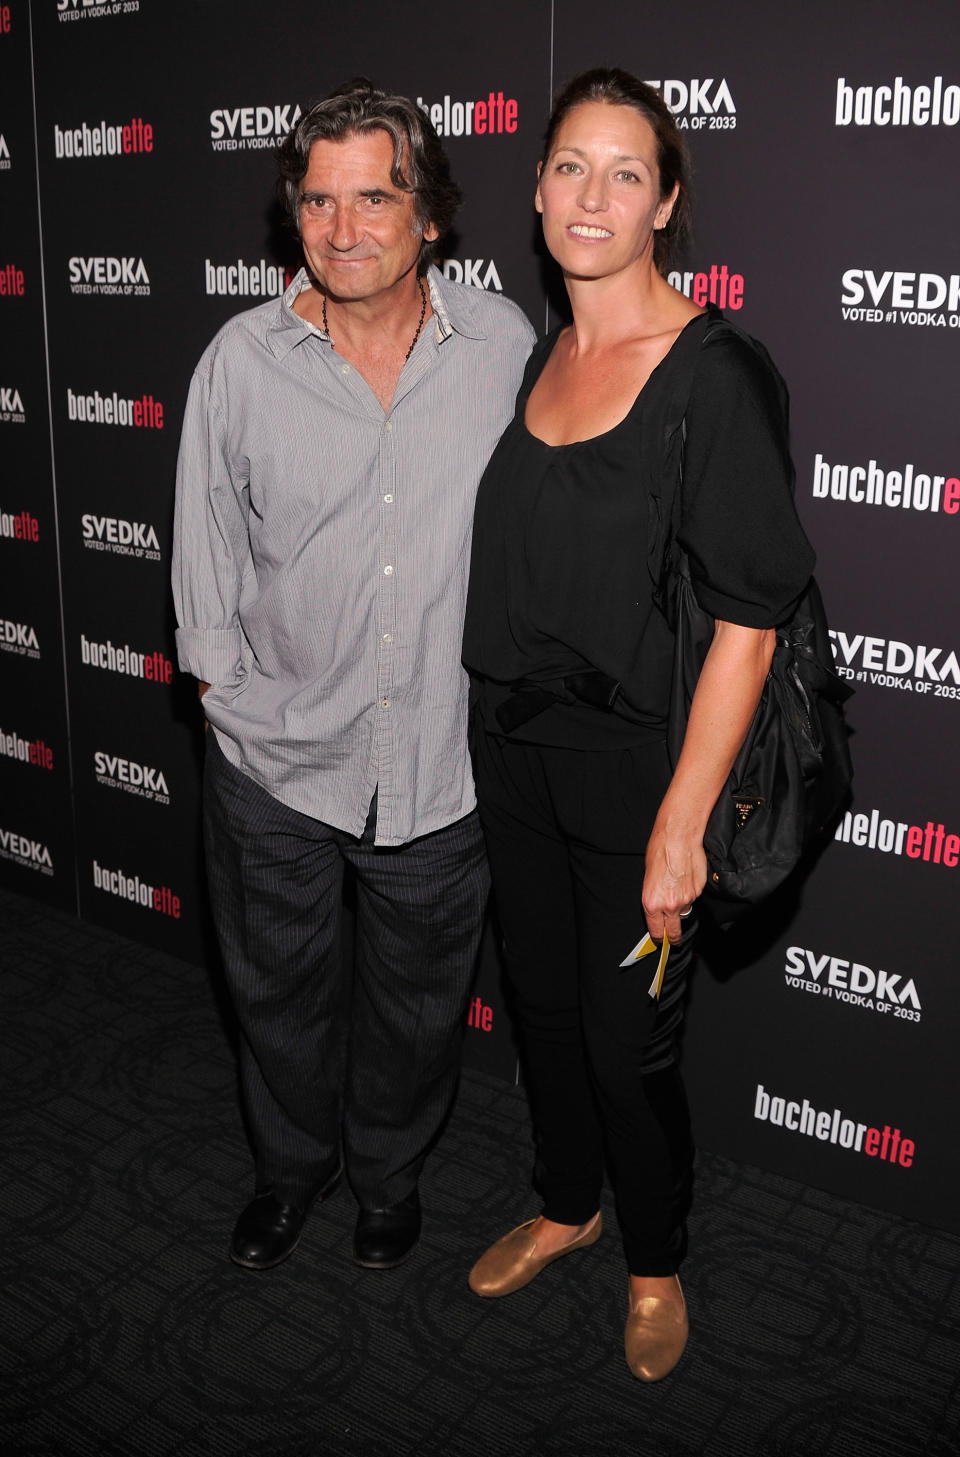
x=604 y=434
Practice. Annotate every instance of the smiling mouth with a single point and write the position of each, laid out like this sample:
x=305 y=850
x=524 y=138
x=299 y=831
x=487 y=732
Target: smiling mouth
x=584 y=230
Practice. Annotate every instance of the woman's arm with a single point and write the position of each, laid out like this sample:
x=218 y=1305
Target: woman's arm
x=724 y=703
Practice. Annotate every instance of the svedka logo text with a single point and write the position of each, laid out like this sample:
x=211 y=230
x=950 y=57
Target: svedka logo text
x=834 y=978
x=122 y=538
x=119 y=277
x=703 y=104
x=245 y=128
x=11 y=406
x=146 y=782
x=18 y=638
x=888 y=663
x=26 y=852
x=899 y=296
x=477 y=272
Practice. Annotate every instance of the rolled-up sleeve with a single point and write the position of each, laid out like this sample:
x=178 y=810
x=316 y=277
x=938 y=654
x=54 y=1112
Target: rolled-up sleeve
x=750 y=558
x=211 y=548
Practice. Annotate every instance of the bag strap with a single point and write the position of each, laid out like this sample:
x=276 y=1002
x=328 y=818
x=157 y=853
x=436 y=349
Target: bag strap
x=683 y=361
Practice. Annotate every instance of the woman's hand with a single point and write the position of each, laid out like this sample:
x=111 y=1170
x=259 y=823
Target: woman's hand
x=728 y=691
x=675 y=875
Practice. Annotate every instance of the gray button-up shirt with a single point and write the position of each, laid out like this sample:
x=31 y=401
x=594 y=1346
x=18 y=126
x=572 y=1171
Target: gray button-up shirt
x=321 y=551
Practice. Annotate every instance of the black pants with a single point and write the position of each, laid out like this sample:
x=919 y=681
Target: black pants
x=565 y=832
x=372 y=1065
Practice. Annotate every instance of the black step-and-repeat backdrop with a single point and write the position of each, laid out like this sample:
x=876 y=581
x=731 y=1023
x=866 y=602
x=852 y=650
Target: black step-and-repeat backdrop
x=136 y=173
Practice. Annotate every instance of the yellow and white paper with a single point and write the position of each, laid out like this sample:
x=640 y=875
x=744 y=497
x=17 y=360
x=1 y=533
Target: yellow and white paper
x=645 y=948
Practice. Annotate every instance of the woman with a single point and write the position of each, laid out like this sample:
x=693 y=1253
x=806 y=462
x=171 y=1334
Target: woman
x=571 y=663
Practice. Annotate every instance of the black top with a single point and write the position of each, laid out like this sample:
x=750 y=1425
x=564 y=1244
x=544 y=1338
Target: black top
x=564 y=537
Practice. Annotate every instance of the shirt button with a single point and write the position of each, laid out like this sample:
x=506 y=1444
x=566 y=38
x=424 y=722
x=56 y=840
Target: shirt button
x=344 y=369
x=388 y=571
x=389 y=498
x=384 y=703
x=388 y=637
x=389 y=426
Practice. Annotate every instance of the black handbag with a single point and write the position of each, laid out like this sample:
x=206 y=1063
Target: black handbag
x=792 y=777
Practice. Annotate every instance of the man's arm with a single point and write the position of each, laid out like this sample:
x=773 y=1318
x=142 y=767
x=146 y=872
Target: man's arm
x=211 y=548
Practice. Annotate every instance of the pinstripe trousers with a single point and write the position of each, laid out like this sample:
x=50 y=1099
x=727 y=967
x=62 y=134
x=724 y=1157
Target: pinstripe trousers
x=366 y=1062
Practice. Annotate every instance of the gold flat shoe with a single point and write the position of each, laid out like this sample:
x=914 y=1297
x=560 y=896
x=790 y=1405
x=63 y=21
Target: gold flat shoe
x=513 y=1261
x=655 y=1336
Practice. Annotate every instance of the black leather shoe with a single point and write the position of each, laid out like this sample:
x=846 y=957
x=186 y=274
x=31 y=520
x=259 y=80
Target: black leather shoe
x=269 y=1230
x=384 y=1237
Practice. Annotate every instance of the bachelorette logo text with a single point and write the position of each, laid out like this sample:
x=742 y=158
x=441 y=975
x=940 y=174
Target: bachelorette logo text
x=159 y=898
x=905 y=488
x=33 y=752
x=489 y=116
x=897 y=104
x=246 y=280
x=796 y=1115
x=930 y=843
x=104 y=139
x=716 y=285
x=19 y=526
x=144 y=413
x=153 y=667
x=11 y=281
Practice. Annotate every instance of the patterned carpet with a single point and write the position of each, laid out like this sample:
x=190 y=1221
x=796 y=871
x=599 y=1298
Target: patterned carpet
x=820 y=1328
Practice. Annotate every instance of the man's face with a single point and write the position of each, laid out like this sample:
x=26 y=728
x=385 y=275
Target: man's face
x=359 y=232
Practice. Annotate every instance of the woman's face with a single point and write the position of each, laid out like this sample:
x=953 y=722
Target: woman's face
x=599 y=191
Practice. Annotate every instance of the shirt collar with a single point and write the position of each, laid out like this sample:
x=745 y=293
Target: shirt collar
x=454 y=308
x=288 y=329
x=454 y=312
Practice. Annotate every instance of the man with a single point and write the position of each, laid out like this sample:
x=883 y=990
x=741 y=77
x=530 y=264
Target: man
x=331 y=450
